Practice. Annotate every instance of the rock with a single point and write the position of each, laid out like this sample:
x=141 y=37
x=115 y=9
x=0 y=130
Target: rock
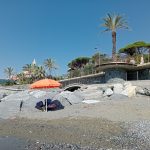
x=139 y=90
x=127 y=84
x=118 y=88
x=146 y=91
x=78 y=93
x=129 y=91
x=118 y=97
x=96 y=95
x=115 y=80
x=108 y=92
x=103 y=89
x=2 y=95
x=63 y=100
x=38 y=93
x=71 y=97
x=143 y=91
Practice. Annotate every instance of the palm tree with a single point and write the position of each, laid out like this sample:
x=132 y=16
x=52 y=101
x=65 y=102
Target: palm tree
x=28 y=68
x=9 y=72
x=39 y=72
x=113 y=22
x=49 y=65
x=21 y=78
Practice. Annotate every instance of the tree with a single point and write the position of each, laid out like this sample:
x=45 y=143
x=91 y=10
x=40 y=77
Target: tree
x=21 y=78
x=49 y=65
x=39 y=72
x=9 y=72
x=137 y=49
x=76 y=66
x=29 y=68
x=113 y=22
x=98 y=59
x=78 y=62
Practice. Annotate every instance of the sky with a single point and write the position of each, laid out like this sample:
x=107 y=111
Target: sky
x=64 y=30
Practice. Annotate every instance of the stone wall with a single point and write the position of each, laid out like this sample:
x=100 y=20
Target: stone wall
x=144 y=74
x=99 y=78
x=110 y=76
x=115 y=75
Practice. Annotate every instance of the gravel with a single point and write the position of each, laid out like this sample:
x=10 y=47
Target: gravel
x=78 y=134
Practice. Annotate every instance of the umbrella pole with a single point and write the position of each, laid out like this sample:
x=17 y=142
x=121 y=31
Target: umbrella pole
x=46 y=105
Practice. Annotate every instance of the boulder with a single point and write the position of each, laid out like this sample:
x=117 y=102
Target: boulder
x=71 y=97
x=78 y=93
x=118 y=97
x=92 y=94
x=108 y=92
x=117 y=88
x=2 y=95
x=63 y=100
x=129 y=91
x=146 y=91
x=127 y=84
x=139 y=90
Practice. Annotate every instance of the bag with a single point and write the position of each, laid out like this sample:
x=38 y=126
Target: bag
x=39 y=105
x=55 y=105
x=48 y=101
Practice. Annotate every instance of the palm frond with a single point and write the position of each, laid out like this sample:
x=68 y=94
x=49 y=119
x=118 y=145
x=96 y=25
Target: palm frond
x=112 y=22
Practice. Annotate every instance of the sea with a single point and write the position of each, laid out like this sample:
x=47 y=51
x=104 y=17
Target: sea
x=3 y=81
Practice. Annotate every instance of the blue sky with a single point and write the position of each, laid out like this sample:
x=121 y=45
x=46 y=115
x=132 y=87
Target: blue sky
x=64 y=29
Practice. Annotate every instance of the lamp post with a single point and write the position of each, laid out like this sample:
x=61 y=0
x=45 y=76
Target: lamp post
x=99 y=62
x=149 y=55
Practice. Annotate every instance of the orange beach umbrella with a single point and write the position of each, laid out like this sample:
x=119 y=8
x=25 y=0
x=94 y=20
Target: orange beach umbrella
x=45 y=83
